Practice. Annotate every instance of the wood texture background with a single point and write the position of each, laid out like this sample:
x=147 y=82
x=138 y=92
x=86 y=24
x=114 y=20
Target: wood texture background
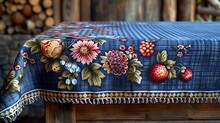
x=125 y=10
x=131 y=112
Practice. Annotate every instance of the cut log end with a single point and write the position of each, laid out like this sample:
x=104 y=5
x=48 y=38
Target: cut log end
x=49 y=22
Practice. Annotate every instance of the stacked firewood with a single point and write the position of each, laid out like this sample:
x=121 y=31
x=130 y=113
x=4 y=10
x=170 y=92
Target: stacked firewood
x=25 y=16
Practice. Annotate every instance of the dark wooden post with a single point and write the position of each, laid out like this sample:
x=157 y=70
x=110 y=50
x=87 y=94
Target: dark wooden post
x=60 y=113
x=186 y=10
x=169 y=10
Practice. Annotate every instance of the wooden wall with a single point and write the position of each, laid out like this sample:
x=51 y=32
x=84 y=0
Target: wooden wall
x=126 y=10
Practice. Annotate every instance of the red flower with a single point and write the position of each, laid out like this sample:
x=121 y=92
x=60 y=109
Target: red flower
x=179 y=54
x=130 y=49
x=180 y=46
x=122 y=47
x=25 y=54
x=32 y=61
x=135 y=56
x=17 y=67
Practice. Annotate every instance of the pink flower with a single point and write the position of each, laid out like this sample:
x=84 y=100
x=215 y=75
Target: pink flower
x=85 y=51
x=180 y=46
x=179 y=54
x=17 y=67
x=135 y=56
x=25 y=54
x=32 y=61
x=130 y=49
x=25 y=63
x=122 y=47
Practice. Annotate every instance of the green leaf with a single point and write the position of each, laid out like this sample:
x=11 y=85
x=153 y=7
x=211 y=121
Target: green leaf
x=22 y=75
x=99 y=74
x=90 y=80
x=132 y=68
x=35 y=49
x=170 y=63
x=65 y=58
x=134 y=76
x=66 y=74
x=95 y=66
x=163 y=56
x=136 y=63
x=30 y=43
x=60 y=78
x=44 y=59
x=48 y=67
x=100 y=41
x=96 y=80
x=169 y=75
x=71 y=77
x=173 y=73
x=61 y=85
x=86 y=73
x=76 y=74
x=11 y=76
x=13 y=86
x=158 y=57
x=70 y=87
x=93 y=75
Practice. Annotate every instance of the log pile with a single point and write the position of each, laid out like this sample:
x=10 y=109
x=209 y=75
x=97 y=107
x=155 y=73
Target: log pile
x=25 y=16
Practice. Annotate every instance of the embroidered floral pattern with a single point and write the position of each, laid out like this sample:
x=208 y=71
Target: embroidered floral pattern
x=115 y=62
x=51 y=48
x=118 y=63
x=165 y=69
x=182 y=50
x=85 y=51
x=146 y=48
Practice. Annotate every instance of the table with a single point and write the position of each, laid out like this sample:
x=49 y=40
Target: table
x=114 y=63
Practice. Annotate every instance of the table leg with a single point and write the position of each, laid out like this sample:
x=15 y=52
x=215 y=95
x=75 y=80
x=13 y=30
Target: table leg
x=60 y=113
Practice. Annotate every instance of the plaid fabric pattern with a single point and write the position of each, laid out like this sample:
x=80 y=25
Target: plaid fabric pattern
x=203 y=58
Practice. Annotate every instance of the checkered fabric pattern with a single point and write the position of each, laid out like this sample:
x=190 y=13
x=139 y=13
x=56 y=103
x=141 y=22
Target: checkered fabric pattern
x=203 y=57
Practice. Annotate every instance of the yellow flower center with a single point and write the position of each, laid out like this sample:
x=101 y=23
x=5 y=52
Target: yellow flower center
x=84 y=50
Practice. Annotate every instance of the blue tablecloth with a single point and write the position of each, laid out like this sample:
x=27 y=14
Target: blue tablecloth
x=116 y=62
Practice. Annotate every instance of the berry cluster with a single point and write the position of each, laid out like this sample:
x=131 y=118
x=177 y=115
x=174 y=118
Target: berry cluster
x=147 y=48
x=72 y=68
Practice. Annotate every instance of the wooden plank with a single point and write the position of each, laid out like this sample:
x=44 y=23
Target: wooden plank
x=60 y=113
x=108 y=10
x=134 y=10
x=186 y=10
x=197 y=121
x=121 y=10
x=142 y=112
x=152 y=10
x=71 y=10
x=85 y=10
x=169 y=10
x=99 y=11
x=57 y=11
